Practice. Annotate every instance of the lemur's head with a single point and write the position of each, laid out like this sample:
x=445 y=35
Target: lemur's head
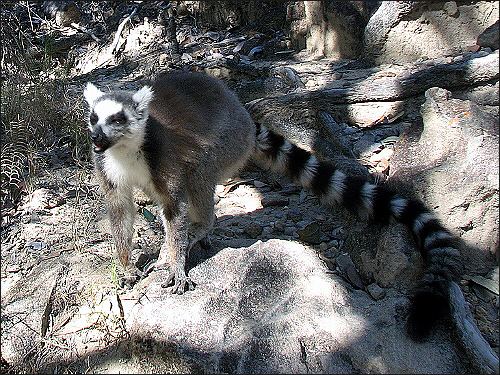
x=117 y=118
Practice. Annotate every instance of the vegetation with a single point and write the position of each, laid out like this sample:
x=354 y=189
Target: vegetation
x=38 y=122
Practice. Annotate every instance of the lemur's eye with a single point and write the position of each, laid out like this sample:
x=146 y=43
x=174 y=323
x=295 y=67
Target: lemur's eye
x=118 y=118
x=93 y=118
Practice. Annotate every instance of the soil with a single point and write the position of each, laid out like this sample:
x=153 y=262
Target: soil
x=75 y=233
x=63 y=222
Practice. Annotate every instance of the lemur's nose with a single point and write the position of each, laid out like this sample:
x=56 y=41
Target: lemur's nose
x=97 y=135
x=101 y=142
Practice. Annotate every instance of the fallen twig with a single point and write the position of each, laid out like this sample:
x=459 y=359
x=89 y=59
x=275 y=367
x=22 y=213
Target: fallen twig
x=478 y=349
x=83 y=29
x=119 y=31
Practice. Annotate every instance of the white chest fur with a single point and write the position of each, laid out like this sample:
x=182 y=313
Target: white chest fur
x=124 y=167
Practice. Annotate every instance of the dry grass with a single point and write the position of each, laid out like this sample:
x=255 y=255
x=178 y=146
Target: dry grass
x=39 y=119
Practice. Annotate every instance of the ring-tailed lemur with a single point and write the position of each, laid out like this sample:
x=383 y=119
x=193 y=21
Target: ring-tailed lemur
x=179 y=137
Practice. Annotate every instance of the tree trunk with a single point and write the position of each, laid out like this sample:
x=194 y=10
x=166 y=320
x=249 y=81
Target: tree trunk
x=383 y=20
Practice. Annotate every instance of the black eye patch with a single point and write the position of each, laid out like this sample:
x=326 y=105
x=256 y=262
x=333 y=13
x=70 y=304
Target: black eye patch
x=118 y=118
x=93 y=118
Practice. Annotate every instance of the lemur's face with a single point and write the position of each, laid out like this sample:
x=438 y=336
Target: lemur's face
x=116 y=118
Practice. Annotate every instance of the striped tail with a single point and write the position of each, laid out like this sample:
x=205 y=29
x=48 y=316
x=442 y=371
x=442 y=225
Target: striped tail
x=438 y=246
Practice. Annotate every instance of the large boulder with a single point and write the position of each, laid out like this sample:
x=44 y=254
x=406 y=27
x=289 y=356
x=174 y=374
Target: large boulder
x=452 y=165
x=273 y=308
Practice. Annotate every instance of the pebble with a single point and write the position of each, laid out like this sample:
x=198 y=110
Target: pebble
x=323 y=246
x=36 y=245
x=375 y=291
x=279 y=226
x=275 y=200
x=349 y=270
x=225 y=232
x=253 y=229
x=289 y=230
x=480 y=53
x=259 y=184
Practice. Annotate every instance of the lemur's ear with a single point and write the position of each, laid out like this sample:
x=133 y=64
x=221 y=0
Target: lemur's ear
x=92 y=93
x=143 y=97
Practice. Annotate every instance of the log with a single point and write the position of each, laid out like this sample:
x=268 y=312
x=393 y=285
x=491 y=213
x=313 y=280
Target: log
x=479 y=351
x=368 y=102
x=459 y=74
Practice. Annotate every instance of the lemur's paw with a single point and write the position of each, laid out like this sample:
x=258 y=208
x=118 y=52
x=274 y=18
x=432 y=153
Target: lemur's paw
x=178 y=281
x=129 y=277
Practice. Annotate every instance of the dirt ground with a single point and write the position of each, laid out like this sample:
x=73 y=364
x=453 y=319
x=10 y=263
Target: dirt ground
x=64 y=223
x=62 y=226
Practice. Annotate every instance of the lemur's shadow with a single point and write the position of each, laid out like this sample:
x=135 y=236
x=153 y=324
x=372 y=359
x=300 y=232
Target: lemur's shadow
x=204 y=250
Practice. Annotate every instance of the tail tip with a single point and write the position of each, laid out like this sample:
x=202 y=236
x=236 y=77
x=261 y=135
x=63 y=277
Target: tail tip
x=426 y=310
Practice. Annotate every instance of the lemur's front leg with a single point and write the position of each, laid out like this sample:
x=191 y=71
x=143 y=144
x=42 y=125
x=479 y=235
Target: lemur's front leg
x=121 y=210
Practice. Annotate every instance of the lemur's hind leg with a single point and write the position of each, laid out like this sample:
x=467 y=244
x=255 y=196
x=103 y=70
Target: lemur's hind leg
x=186 y=221
x=173 y=253
x=201 y=216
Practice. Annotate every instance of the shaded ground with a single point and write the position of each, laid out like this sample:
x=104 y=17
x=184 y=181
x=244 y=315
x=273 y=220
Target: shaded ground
x=59 y=238
x=74 y=235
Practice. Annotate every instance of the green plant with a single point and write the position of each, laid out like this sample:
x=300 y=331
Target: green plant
x=39 y=114
x=38 y=118
x=113 y=268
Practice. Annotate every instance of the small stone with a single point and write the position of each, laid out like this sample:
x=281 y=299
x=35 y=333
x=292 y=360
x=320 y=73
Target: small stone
x=323 y=246
x=336 y=76
x=44 y=198
x=279 y=226
x=294 y=214
x=329 y=263
x=375 y=291
x=36 y=245
x=349 y=270
x=451 y=8
x=253 y=229
x=289 y=230
x=224 y=232
x=259 y=184
x=333 y=243
x=474 y=48
x=339 y=233
x=275 y=200
x=266 y=232
x=311 y=233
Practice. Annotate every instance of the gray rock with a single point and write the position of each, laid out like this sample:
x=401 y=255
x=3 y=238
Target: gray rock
x=310 y=233
x=450 y=7
x=44 y=198
x=452 y=165
x=272 y=308
x=253 y=229
x=25 y=311
x=275 y=200
x=489 y=37
x=376 y=291
x=349 y=270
